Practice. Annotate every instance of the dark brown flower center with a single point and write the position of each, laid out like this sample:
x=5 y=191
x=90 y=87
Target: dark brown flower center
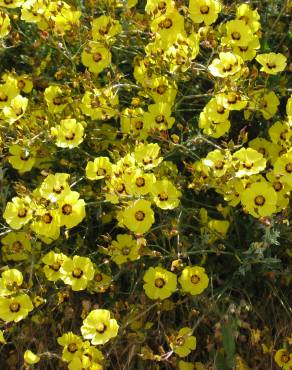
x=163 y=196
x=47 y=218
x=247 y=165
x=70 y=136
x=259 y=200
x=67 y=209
x=204 y=9
x=271 y=65
x=97 y=57
x=22 y=213
x=20 y=84
x=3 y=97
x=285 y=358
x=98 y=277
x=220 y=109
x=58 y=100
x=139 y=215
x=77 y=273
x=101 y=172
x=139 y=125
x=100 y=328
x=219 y=165
x=288 y=167
x=277 y=186
x=72 y=348
x=195 y=279
x=161 y=89
x=58 y=189
x=126 y=251
x=14 y=307
x=235 y=35
x=17 y=247
x=159 y=283
x=55 y=266
x=140 y=181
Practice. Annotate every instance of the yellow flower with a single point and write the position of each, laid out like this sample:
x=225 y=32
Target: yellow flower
x=100 y=168
x=137 y=217
x=158 y=117
x=168 y=26
x=184 y=342
x=16 y=246
x=15 y=308
x=165 y=194
x=281 y=134
x=124 y=249
x=18 y=212
x=96 y=57
x=56 y=99
x=99 y=327
x=69 y=134
x=283 y=358
x=5 y=26
x=132 y=122
x=232 y=191
x=100 y=282
x=265 y=147
x=100 y=104
x=228 y=64
x=233 y=101
x=266 y=103
x=249 y=16
x=22 y=159
x=55 y=187
x=146 y=155
x=30 y=358
x=248 y=162
x=204 y=11
x=105 y=28
x=72 y=209
x=11 y=3
x=159 y=283
x=249 y=51
x=24 y=83
x=46 y=222
x=8 y=91
x=213 y=128
x=154 y=6
x=141 y=183
x=218 y=161
x=272 y=63
x=16 y=109
x=53 y=263
x=65 y=20
x=259 y=199
x=193 y=280
x=10 y=282
x=90 y=358
x=215 y=110
x=72 y=344
x=77 y=272
x=283 y=168
x=237 y=33
x=163 y=90
x=281 y=188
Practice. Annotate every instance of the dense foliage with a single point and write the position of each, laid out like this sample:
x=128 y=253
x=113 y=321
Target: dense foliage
x=145 y=185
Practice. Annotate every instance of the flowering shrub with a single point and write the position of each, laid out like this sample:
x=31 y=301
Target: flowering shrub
x=145 y=185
